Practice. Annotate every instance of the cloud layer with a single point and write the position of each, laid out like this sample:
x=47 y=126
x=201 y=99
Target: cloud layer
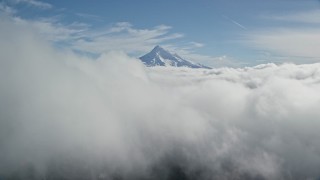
x=67 y=116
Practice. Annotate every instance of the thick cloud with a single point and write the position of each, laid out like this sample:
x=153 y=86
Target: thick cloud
x=63 y=116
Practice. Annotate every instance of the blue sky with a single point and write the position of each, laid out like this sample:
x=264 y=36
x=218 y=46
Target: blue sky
x=212 y=32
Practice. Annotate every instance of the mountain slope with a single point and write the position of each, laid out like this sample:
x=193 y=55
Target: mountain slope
x=161 y=57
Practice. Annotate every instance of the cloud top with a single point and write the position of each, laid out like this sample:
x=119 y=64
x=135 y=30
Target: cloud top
x=67 y=116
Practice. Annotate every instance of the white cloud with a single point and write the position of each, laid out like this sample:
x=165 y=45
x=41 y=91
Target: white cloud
x=311 y=16
x=234 y=22
x=290 y=42
x=68 y=116
x=122 y=36
x=52 y=30
x=119 y=36
x=35 y=3
x=197 y=44
x=303 y=43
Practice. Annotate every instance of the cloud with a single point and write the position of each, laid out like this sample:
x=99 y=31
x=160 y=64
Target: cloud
x=90 y=16
x=196 y=44
x=122 y=36
x=119 y=36
x=234 y=22
x=35 y=3
x=289 y=42
x=64 y=116
x=86 y=39
x=7 y=10
x=310 y=17
x=54 y=31
x=301 y=43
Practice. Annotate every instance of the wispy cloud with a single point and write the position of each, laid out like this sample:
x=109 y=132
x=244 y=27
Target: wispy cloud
x=123 y=36
x=197 y=44
x=311 y=16
x=234 y=22
x=35 y=3
x=7 y=10
x=290 y=42
x=120 y=36
x=52 y=30
x=89 y=16
x=81 y=37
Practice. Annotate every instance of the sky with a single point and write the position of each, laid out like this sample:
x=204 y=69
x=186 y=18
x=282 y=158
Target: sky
x=212 y=32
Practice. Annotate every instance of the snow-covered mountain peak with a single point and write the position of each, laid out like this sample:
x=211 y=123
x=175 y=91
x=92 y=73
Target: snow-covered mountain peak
x=158 y=56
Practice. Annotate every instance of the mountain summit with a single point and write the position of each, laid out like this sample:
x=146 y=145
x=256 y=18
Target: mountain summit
x=161 y=57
